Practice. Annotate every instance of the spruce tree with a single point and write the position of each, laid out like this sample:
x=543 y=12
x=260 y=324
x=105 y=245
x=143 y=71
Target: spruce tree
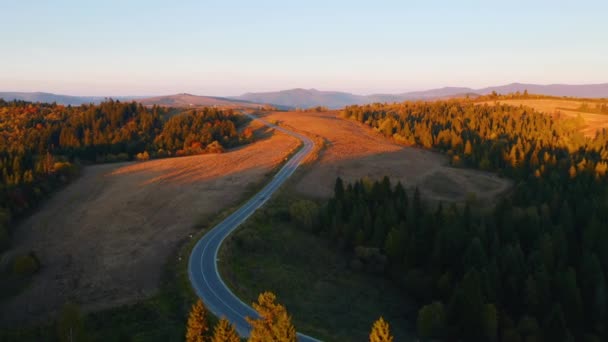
x=273 y=324
x=380 y=332
x=197 y=323
x=225 y=332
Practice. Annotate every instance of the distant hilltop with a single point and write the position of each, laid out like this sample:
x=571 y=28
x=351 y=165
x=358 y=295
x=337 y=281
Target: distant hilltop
x=305 y=98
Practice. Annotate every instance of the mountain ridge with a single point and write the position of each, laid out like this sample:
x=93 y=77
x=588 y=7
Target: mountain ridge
x=305 y=98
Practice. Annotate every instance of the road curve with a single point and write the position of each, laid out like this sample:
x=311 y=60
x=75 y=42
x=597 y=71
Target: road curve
x=202 y=266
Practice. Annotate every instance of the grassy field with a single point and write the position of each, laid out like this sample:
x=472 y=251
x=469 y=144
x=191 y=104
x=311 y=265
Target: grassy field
x=353 y=151
x=103 y=240
x=161 y=317
x=311 y=277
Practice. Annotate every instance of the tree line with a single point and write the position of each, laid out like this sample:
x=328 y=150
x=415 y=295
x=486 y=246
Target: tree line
x=531 y=268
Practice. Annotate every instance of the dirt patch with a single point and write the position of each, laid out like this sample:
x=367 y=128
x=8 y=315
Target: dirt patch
x=104 y=239
x=353 y=151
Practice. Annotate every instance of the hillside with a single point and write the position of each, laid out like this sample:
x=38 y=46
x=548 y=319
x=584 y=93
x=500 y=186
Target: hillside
x=305 y=98
x=104 y=238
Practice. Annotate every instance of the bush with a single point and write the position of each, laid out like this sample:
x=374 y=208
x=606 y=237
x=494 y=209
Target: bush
x=24 y=265
x=143 y=156
x=215 y=147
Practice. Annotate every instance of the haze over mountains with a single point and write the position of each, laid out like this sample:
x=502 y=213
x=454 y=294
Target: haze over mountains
x=311 y=97
x=304 y=98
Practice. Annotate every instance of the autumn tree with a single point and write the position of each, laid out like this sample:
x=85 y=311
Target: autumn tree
x=225 y=332
x=273 y=323
x=197 y=323
x=380 y=332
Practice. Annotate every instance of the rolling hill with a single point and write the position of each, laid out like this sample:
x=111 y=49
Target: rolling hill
x=189 y=100
x=304 y=98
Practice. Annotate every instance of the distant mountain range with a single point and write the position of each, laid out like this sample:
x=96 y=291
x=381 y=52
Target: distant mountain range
x=311 y=97
x=50 y=98
x=304 y=98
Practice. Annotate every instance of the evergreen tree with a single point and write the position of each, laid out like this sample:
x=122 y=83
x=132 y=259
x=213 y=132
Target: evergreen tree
x=339 y=189
x=380 y=332
x=273 y=324
x=225 y=332
x=197 y=327
x=431 y=321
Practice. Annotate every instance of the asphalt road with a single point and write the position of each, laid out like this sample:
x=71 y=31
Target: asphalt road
x=202 y=266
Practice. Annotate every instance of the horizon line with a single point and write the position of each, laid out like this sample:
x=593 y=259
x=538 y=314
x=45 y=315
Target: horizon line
x=304 y=88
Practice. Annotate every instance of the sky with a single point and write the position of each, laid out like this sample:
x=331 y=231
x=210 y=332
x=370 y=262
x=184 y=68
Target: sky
x=224 y=47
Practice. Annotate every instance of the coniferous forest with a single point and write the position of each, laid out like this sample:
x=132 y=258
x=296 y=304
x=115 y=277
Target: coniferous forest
x=42 y=145
x=531 y=268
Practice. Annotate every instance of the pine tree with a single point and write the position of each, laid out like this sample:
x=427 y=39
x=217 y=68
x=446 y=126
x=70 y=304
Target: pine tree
x=339 y=189
x=274 y=323
x=225 y=332
x=380 y=332
x=197 y=323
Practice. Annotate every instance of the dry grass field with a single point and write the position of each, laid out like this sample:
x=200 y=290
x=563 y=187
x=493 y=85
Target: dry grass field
x=567 y=108
x=353 y=151
x=104 y=239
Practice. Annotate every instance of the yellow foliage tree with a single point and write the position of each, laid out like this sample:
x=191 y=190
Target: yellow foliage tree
x=274 y=323
x=468 y=149
x=225 y=332
x=197 y=323
x=380 y=332
x=572 y=171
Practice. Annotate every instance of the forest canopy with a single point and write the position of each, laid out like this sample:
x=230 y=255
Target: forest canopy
x=531 y=268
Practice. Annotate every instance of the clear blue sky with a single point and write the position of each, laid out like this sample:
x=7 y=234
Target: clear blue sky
x=230 y=47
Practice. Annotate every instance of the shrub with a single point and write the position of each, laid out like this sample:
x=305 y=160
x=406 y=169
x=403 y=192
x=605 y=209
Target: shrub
x=24 y=265
x=143 y=156
x=215 y=147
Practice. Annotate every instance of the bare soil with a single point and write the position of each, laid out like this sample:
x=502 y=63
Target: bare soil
x=103 y=240
x=353 y=151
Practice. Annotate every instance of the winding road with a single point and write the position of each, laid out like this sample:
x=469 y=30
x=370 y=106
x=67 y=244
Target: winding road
x=202 y=266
